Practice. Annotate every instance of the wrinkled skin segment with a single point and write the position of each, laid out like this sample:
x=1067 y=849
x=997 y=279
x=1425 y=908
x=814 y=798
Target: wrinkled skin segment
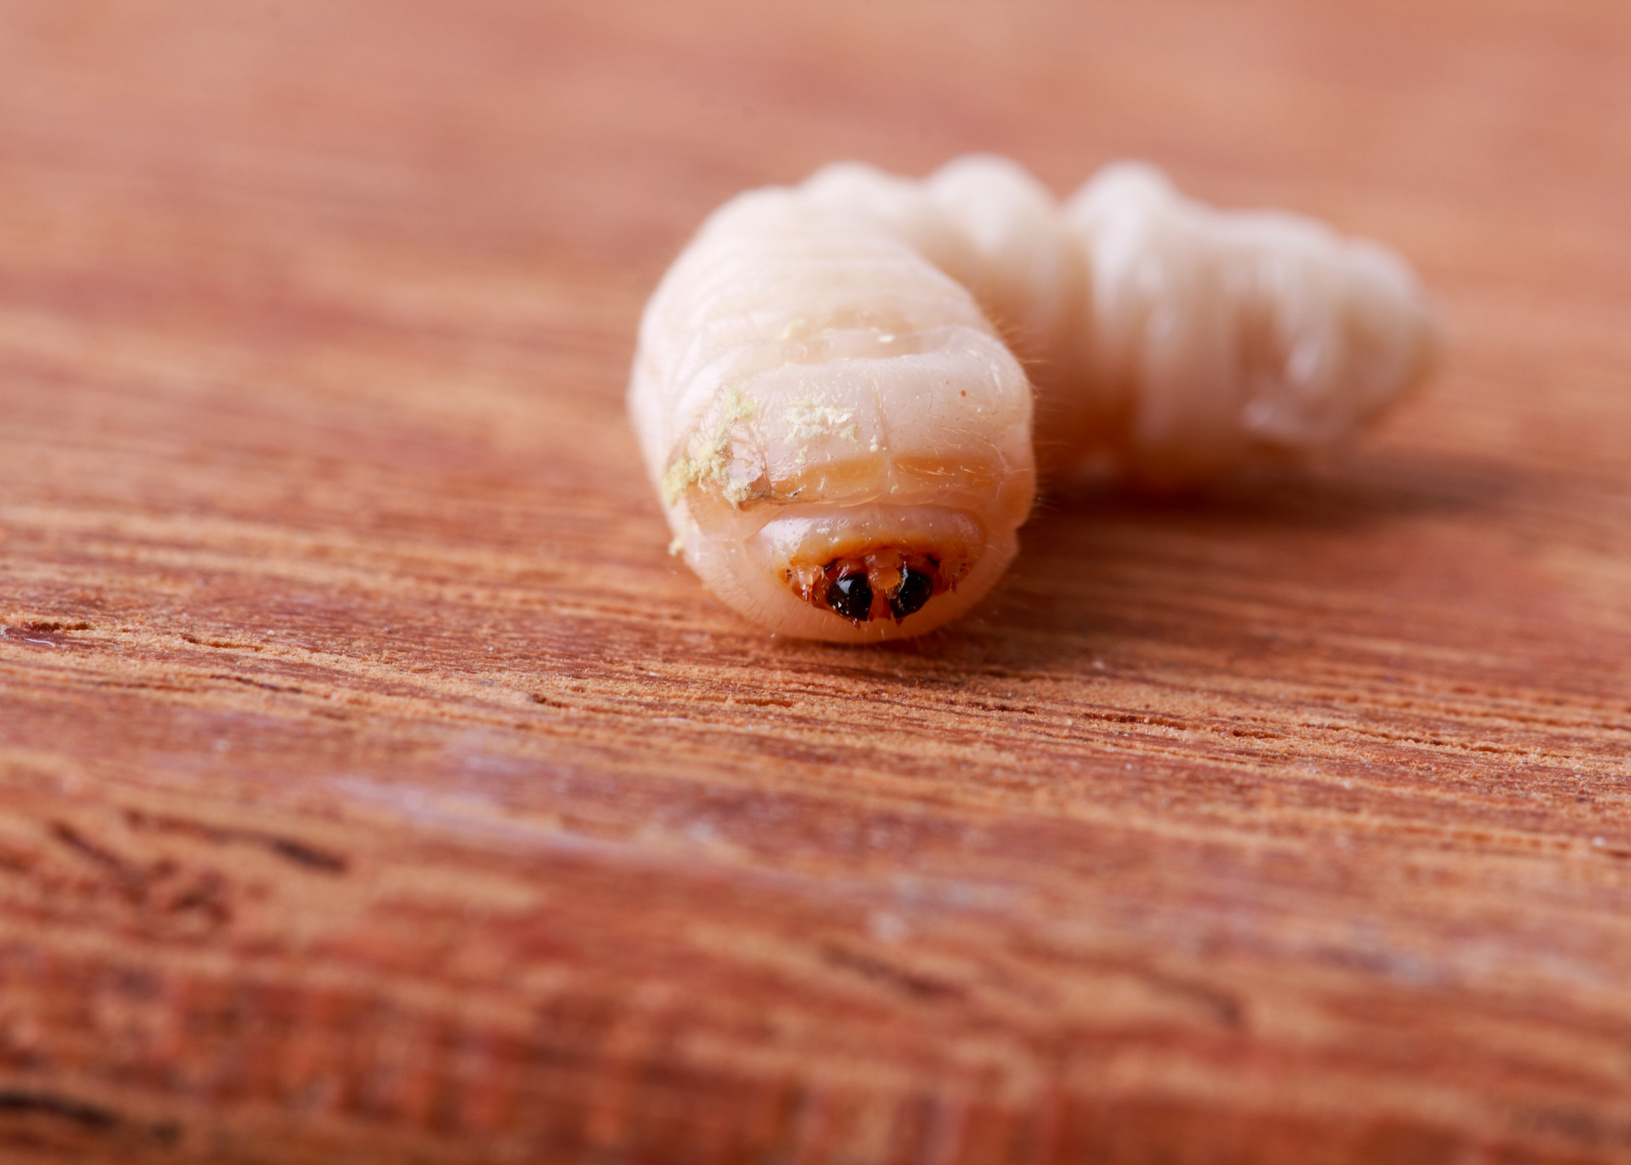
x=843 y=389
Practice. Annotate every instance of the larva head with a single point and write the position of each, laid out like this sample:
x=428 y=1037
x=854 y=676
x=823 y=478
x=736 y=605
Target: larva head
x=880 y=582
x=857 y=574
x=862 y=498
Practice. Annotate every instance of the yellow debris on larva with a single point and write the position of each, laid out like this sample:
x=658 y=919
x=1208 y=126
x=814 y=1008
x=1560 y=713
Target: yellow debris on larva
x=832 y=392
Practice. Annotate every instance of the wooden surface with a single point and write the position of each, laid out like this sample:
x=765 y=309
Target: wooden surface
x=374 y=788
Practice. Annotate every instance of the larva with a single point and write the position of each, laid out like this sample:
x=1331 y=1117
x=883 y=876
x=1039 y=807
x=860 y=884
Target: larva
x=843 y=389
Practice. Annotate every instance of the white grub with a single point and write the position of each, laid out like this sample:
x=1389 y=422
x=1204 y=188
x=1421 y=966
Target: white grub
x=834 y=383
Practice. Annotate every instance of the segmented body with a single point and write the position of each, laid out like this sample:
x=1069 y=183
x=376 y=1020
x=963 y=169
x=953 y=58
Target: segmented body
x=834 y=384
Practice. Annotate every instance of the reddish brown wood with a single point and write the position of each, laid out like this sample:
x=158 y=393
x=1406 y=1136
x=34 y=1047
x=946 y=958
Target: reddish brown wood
x=373 y=788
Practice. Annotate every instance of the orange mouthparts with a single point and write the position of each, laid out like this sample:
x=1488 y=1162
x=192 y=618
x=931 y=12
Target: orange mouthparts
x=881 y=582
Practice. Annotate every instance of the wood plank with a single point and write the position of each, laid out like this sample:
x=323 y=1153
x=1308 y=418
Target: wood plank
x=373 y=787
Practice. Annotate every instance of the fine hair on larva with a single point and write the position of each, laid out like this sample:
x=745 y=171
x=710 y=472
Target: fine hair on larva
x=844 y=390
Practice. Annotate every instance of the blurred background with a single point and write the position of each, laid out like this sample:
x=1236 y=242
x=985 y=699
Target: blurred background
x=243 y=146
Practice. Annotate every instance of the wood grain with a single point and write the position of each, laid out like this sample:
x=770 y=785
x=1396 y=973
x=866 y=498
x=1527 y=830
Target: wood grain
x=373 y=788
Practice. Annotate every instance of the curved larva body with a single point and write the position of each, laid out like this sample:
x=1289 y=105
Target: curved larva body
x=831 y=390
